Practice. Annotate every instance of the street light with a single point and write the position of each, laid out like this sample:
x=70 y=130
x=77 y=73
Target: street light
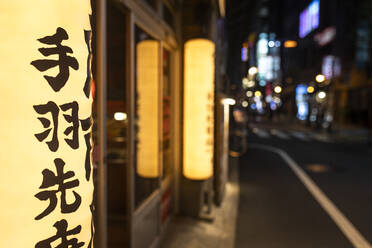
x=228 y=101
x=277 y=89
x=320 y=78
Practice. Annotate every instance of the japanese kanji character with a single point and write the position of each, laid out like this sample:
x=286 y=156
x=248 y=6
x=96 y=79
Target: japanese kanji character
x=62 y=234
x=64 y=61
x=54 y=110
x=74 y=119
x=50 y=179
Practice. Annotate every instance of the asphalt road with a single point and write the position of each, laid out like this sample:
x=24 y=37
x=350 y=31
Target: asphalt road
x=277 y=210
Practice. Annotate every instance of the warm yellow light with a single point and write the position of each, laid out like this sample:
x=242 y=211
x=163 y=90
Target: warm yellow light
x=257 y=93
x=310 y=89
x=45 y=79
x=245 y=104
x=252 y=71
x=245 y=81
x=120 y=116
x=198 y=109
x=277 y=89
x=148 y=108
x=320 y=78
x=249 y=93
x=290 y=44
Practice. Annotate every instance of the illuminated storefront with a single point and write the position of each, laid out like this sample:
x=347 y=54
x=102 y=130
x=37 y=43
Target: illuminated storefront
x=138 y=123
x=120 y=114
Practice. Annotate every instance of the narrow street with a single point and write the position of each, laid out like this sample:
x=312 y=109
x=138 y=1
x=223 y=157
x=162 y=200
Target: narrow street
x=277 y=209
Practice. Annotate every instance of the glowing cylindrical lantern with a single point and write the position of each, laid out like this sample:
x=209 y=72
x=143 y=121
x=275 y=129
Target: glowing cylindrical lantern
x=198 y=109
x=148 y=108
x=46 y=183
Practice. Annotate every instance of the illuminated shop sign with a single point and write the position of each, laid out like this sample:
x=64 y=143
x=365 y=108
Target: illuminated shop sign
x=331 y=67
x=268 y=57
x=46 y=184
x=244 y=52
x=309 y=18
x=198 y=109
x=301 y=102
x=148 y=108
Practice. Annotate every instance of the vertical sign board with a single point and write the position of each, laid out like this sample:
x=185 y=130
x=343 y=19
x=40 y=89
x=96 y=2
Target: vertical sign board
x=198 y=109
x=148 y=108
x=46 y=184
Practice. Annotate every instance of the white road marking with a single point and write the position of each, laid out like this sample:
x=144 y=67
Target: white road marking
x=300 y=135
x=279 y=134
x=349 y=230
x=260 y=133
x=320 y=137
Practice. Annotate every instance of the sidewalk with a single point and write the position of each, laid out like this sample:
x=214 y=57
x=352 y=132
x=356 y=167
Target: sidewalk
x=186 y=232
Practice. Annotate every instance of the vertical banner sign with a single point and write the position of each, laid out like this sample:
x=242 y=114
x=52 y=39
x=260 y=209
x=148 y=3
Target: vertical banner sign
x=46 y=184
x=198 y=109
x=148 y=108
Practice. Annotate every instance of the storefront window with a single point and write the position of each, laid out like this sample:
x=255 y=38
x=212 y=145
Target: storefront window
x=147 y=150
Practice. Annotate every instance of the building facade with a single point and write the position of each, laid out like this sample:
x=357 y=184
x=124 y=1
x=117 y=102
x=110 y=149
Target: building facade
x=139 y=114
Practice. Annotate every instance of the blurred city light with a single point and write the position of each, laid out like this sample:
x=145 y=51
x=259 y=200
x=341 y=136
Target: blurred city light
x=253 y=106
x=309 y=18
x=245 y=104
x=249 y=93
x=252 y=71
x=271 y=43
x=251 y=84
x=257 y=93
x=322 y=95
x=245 y=81
x=262 y=83
x=120 y=116
x=290 y=44
x=277 y=89
x=276 y=100
x=320 y=78
x=310 y=89
x=273 y=106
x=301 y=102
